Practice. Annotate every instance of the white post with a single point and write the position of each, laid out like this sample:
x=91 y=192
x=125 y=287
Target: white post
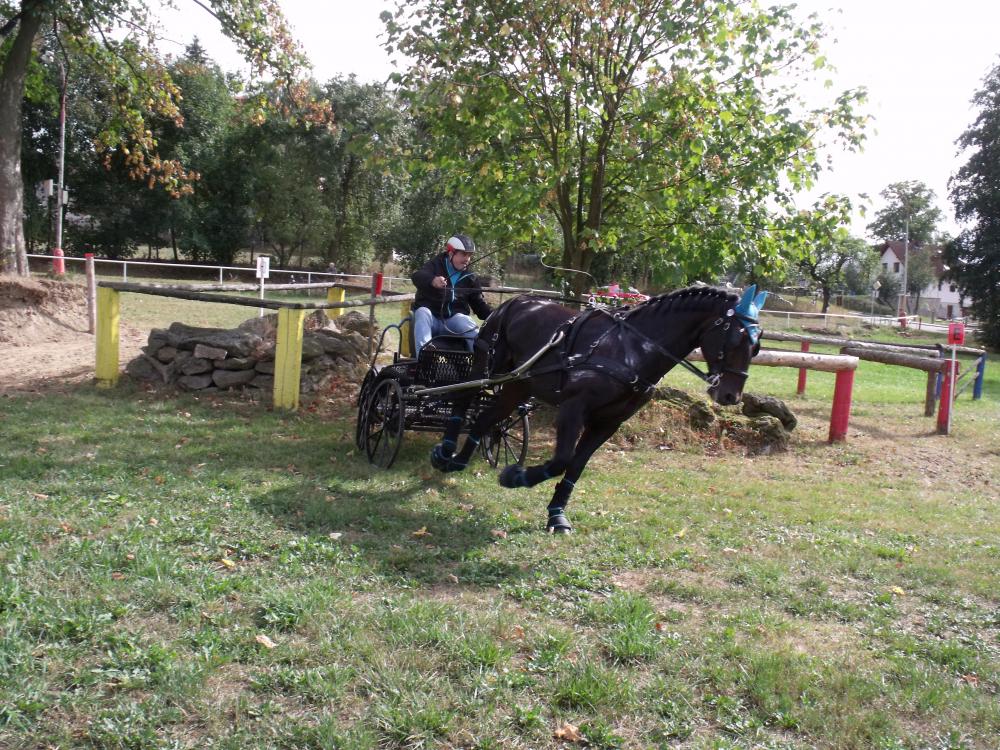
x=954 y=387
x=91 y=293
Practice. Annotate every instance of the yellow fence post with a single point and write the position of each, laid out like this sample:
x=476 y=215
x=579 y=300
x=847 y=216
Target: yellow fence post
x=334 y=295
x=288 y=358
x=405 y=329
x=108 y=318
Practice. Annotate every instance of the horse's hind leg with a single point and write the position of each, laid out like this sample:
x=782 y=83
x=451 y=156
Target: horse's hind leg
x=441 y=454
x=509 y=397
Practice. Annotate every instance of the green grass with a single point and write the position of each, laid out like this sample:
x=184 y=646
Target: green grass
x=153 y=547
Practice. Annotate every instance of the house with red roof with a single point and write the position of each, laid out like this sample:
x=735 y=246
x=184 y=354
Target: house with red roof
x=940 y=299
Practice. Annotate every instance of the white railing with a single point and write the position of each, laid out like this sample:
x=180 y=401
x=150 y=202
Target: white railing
x=856 y=319
x=252 y=270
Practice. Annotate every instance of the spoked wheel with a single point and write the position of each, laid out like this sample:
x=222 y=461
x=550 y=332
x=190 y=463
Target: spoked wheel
x=380 y=423
x=507 y=442
x=366 y=387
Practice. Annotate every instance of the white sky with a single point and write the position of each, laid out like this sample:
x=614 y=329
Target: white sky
x=921 y=61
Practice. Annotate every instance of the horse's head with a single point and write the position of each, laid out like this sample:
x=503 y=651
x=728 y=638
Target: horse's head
x=729 y=343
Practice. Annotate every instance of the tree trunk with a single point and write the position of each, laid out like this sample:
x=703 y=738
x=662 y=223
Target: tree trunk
x=13 y=257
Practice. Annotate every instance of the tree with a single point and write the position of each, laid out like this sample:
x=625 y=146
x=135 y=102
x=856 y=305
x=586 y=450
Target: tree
x=861 y=273
x=974 y=256
x=919 y=274
x=638 y=124
x=138 y=85
x=827 y=260
x=909 y=206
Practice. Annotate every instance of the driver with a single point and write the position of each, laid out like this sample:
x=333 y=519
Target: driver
x=446 y=293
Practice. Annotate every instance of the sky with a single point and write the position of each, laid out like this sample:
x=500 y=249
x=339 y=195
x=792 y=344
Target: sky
x=921 y=61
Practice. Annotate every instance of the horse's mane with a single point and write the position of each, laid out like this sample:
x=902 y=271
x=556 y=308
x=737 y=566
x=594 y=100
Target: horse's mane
x=690 y=299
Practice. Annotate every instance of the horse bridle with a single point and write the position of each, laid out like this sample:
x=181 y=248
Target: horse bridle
x=712 y=378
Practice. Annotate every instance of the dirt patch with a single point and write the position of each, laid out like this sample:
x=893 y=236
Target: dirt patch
x=44 y=339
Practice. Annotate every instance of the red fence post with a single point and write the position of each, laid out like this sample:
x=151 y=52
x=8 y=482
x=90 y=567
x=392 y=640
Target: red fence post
x=840 y=415
x=377 y=284
x=58 y=261
x=802 y=372
x=944 y=411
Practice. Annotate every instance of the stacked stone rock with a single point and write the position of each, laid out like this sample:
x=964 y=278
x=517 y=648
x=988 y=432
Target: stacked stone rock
x=214 y=359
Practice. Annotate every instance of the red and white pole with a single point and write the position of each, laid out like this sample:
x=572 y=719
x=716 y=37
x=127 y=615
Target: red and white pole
x=947 y=388
x=840 y=415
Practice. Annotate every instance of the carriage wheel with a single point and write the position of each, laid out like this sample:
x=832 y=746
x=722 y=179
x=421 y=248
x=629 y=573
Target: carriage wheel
x=381 y=423
x=363 y=394
x=507 y=442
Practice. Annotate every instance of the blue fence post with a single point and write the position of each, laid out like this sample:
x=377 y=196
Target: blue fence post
x=977 y=389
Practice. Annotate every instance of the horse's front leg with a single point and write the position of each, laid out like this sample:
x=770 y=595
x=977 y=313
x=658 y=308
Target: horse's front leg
x=569 y=423
x=591 y=439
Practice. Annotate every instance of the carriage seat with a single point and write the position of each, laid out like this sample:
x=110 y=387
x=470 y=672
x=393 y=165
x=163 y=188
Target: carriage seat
x=444 y=360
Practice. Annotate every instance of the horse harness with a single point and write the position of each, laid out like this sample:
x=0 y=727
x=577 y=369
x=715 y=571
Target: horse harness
x=590 y=360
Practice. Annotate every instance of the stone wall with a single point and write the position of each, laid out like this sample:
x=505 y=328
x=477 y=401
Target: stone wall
x=216 y=359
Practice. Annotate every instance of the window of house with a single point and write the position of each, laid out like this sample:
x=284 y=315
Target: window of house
x=940 y=284
x=885 y=266
x=952 y=288
x=895 y=267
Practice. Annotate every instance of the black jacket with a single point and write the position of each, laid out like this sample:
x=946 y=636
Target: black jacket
x=464 y=296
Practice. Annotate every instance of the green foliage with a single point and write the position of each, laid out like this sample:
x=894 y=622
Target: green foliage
x=606 y=128
x=974 y=257
x=909 y=207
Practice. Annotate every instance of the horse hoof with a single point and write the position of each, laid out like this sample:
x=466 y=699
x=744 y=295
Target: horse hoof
x=439 y=461
x=558 y=524
x=513 y=476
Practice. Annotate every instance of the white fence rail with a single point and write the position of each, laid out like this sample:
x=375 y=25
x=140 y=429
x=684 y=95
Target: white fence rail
x=403 y=282
x=307 y=276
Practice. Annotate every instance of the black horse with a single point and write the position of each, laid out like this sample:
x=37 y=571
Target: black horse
x=601 y=367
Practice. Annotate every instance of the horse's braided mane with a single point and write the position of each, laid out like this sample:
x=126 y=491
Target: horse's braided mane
x=691 y=298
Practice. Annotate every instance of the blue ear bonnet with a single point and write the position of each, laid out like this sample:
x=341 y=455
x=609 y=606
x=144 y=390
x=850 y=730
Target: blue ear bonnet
x=748 y=309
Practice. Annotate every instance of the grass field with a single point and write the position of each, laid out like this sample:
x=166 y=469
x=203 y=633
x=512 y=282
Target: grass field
x=181 y=572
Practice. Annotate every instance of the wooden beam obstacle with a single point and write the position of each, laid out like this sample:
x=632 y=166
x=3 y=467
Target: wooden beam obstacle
x=844 y=367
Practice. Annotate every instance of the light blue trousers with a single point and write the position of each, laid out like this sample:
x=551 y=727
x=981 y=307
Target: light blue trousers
x=426 y=325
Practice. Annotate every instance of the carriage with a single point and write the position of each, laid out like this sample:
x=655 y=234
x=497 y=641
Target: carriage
x=596 y=367
x=415 y=394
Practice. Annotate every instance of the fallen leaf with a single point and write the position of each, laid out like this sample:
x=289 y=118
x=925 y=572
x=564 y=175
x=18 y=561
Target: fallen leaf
x=67 y=529
x=568 y=733
x=453 y=578
x=421 y=532
x=728 y=551
x=971 y=679
x=39 y=496
x=465 y=507
x=335 y=535
x=659 y=627
x=129 y=556
x=519 y=632
x=153 y=522
x=229 y=564
x=159 y=479
x=898 y=591
x=498 y=533
x=680 y=534
x=264 y=641
x=116 y=576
